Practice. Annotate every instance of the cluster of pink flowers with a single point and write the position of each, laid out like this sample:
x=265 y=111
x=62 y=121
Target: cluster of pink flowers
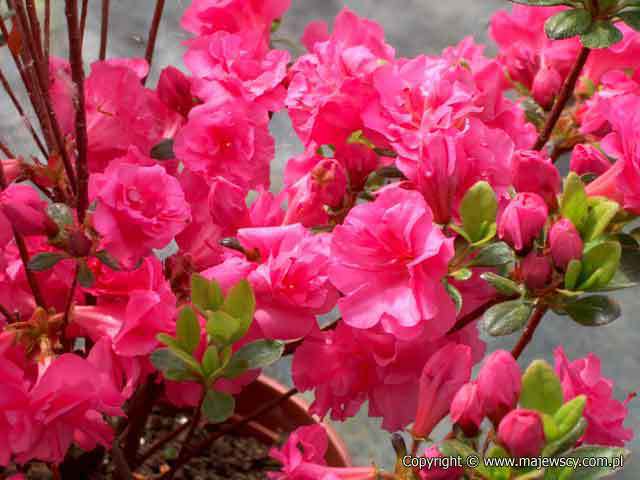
x=177 y=165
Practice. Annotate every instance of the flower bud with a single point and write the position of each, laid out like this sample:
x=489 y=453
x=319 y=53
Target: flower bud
x=566 y=244
x=499 y=382
x=521 y=432
x=79 y=244
x=534 y=172
x=438 y=471
x=443 y=375
x=466 y=409
x=546 y=85
x=536 y=271
x=25 y=210
x=588 y=159
x=523 y=220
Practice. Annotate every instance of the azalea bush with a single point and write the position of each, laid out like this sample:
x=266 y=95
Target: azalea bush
x=427 y=207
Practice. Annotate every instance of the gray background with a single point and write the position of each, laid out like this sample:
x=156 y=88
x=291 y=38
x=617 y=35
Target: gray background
x=413 y=27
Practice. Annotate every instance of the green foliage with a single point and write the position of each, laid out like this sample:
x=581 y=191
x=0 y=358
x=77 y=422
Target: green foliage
x=574 y=201
x=568 y=23
x=507 y=317
x=188 y=330
x=601 y=34
x=218 y=407
x=599 y=265
x=502 y=284
x=593 y=311
x=494 y=255
x=205 y=294
x=45 y=261
x=616 y=456
x=478 y=211
x=541 y=388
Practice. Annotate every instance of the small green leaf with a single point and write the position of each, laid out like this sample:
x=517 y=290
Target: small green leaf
x=218 y=407
x=462 y=274
x=45 y=261
x=599 y=265
x=171 y=366
x=188 y=330
x=601 y=212
x=631 y=18
x=566 y=441
x=240 y=303
x=499 y=473
x=574 y=203
x=177 y=349
x=568 y=23
x=222 y=327
x=602 y=34
x=458 y=449
x=567 y=417
x=205 y=294
x=235 y=368
x=108 y=260
x=478 y=211
x=503 y=285
x=572 y=275
x=85 y=275
x=210 y=361
x=551 y=431
x=616 y=455
x=593 y=311
x=455 y=295
x=507 y=318
x=494 y=255
x=541 y=388
x=261 y=353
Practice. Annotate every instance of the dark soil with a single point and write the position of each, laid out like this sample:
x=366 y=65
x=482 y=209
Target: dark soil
x=229 y=458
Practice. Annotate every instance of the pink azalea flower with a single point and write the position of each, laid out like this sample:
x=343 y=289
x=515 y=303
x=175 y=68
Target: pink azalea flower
x=443 y=375
x=25 y=210
x=138 y=209
x=331 y=85
x=302 y=458
x=388 y=260
x=588 y=159
x=226 y=137
x=234 y=16
x=604 y=414
x=121 y=113
x=547 y=180
x=239 y=64
x=174 y=90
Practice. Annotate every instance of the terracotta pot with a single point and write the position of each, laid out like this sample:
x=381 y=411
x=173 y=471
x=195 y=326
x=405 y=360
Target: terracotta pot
x=273 y=427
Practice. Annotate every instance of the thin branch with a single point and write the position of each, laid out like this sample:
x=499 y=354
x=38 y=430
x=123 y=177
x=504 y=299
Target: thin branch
x=71 y=295
x=4 y=149
x=20 y=110
x=83 y=19
x=475 y=314
x=140 y=408
x=529 y=330
x=31 y=278
x=229 y=428
x=47 y=30
x=77 y=74
x=104 y=29
x=35 y=25
x=563 y=98
x=153 y=35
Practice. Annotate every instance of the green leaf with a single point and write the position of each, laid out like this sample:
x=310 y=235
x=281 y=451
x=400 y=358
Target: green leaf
x=551 y=431
x=455 y=295
x=458 y=449
x=218 y=407
x=566 y=441
x=568 y=23
x=601 y=212
x=163 y=150
x=462 y=274
x=616 y=455
x=205 y=294
x=507 y=318
x=572 y=275
x=593 y=311
x=85 y=275
x=503 y=285
x=602 y=34
x=61 y=214
x=574 y=203
x=188 y=330
x=240 y=303
x=261 y=353
x=599 y=265
x=631 y=18
x=494 y=255
x=108 y=260
x=171 y=366
x=541 y=388
x=235 y=368
x=630 y=260
x=177 y=349
x=499 y=473
x=210 y=361
x=568 y=416
x=45 y=261
x=478 y=211
x=222 y=327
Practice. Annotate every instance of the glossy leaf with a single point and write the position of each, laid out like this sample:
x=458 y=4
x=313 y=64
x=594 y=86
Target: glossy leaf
x=205 y=294
x=574 y=201
x=593 y=311
x=218 y=407
x=568 y=23
x=478 y=211
x=541 y=388
x=188 y=330
x=602 y=34
x=261 y=353
x=494 y=255
x=45 y=261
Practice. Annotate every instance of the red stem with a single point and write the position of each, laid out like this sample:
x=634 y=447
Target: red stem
x=4 y=149
x=153 y=35
x=529 y=331
x=83 y=19
x=77 y=74
x=104 y=29
x=566 y=93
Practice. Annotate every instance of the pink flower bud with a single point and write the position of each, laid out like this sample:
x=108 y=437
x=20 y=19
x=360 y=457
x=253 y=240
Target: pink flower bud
x=566 y=244
x=25 y=210
x=11 y=167
x=534 y=172
x=443 y=375
x=523 y=220
x=588 y=159
x=466 y=409
x=438 y=472
x=546 y=85
x=536 y=271
x=499 y=383
x=521 y=432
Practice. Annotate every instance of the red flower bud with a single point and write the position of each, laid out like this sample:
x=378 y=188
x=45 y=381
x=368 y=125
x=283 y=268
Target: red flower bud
x=536 y=271
x=566 y=244
x=499 y=383
x=521 y=432
x=523 y=220
x=466 y=409
x=25 y=210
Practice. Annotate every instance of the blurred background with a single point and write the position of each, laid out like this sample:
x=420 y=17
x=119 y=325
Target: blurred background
x=412 y=27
